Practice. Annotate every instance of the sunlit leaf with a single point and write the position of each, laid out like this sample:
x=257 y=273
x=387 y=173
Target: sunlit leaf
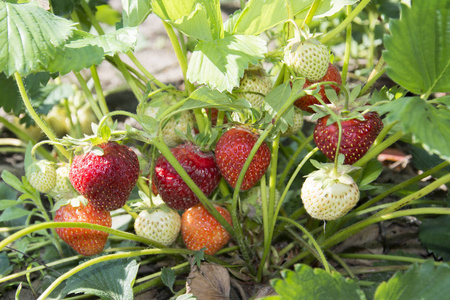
x=201 y=19
x=418 y=48
x=207 y=98
x=134 y=12
x=31 y=36
x=221 y=63
x=424 y=281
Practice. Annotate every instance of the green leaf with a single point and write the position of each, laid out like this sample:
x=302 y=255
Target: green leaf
x=428 y=125
x=259 y=16
x=419 y=282
x=418 y=49
x=201 y=19
x=435 y=236
x=14 y=182
x=370 y=172
x=274 y=101
x=308 y=283
x=31 y=36
x=12 y=213
x=110 y=280
x=168 y=277
x=134 y=12
x=221 y=63
x=5 y=266
x=7 y=203
x=206 y=98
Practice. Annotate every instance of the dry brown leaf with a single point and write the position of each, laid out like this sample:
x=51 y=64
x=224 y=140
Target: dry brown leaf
x=209 y=281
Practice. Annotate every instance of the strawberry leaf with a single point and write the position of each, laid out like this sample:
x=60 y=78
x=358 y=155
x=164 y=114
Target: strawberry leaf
x=259 y=16
x=308 y=283
x=206 y=98
x=168 y=277
x=428 y=125
x=419 y=282
x=221 y=63
x=418 y=48
x=200 y=19
x=31 y=36
x=110 y=280
x=434 y=234
x=134 y=12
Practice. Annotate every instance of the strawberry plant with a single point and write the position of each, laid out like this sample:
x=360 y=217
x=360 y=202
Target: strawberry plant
x=296 y=141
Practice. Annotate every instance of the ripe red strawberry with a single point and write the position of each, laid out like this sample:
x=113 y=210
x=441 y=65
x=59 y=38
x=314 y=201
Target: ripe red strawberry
x=200 y=166
x=107 y=179
x=357 y=136
x=200 y=229
x=232 y=150
x=84 y=241
x=304 y=102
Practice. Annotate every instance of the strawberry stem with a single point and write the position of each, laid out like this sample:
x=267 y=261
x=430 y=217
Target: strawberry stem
x=35 y=116
x=311 y=12
x=348 y=45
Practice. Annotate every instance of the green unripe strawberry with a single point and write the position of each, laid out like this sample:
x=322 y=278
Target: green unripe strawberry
x=255 y=85
x=298 y=123
x=161 y=224
x=252 y=203
x=308 y=58
x=41 y=175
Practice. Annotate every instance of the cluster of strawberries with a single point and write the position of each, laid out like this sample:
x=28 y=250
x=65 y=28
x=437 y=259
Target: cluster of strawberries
x=102 y=179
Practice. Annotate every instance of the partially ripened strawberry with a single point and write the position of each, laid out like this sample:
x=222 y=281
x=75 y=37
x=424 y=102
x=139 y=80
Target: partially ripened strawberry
x=255 y=85
x=84 y=241
x=308 y=58
x=160 y=224
x=232 y=150
x=357 y=136
x=200 y=229
x=328 y=194
x=201 y=167
x=41 y=175
x=305 y=102
x=106 y=178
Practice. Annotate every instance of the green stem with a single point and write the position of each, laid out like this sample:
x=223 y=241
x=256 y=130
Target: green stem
x=330 y=35
x=128 y=78
x=348 y=46
x=89 y=96
x=181 y=268
x=182 y=60
x=99 y=91
x=311 y=12
x=338 y=259
x=311 y=238
x=419 y=194
x=353 y=229
x=105 y=258
x=387 y=258
x=91 y=17
x=35 y=116
x=36 y=227
x=400 y=186
x=145 y=71
x=377 y=72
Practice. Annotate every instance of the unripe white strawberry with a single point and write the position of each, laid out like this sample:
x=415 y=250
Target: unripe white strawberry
x=161 y=224
x=255 y=84
x=63 y=189
x=298 y=123
x=308 y=58
x=41 y=175
x=328 y=194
